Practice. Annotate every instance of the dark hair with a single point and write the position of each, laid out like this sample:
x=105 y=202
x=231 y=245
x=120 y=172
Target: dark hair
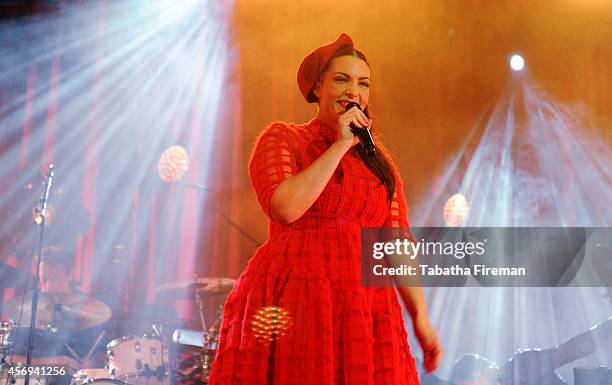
x=56 y=255
x=380 y=163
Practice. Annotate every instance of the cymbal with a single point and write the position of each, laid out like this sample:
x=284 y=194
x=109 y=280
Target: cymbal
x=70 y=362
x=199 y=285
x=64 y=311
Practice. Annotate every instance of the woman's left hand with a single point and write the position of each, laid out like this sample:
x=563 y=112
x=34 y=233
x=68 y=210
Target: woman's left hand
x=428 y=339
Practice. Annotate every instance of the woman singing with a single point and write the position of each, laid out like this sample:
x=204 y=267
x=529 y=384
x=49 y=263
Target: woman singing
x=299 y=314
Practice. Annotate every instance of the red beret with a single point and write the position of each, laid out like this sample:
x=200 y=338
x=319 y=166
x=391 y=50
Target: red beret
x=313 y=65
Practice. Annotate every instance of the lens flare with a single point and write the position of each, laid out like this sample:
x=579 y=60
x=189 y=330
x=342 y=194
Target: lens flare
x=455 y=210
x=270 y=323
x=172 y=164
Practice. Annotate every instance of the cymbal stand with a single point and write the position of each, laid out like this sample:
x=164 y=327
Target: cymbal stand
x=210 y=336
x=200 y=306
x=165 y=370
x=204 y=358
x=41 y=213
x=210 y=339
x=5 y=329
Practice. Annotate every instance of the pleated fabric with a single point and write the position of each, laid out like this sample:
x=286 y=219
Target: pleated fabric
x=298 y=314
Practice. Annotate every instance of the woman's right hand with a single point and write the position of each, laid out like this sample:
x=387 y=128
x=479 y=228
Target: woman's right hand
x=297 y=193
x=358 y=119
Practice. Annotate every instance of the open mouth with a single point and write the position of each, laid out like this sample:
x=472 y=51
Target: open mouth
x=343 y=103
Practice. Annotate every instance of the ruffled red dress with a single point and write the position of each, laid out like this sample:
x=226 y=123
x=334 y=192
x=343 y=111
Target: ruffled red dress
x=298 y=313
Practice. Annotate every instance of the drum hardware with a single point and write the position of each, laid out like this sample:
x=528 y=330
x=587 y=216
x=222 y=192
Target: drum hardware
x=132 y=359
x=138 y=360
x=95 y=345
x=200 y=306
x=188 y=337
x=208 y=350
x=199 y=362
x=210 y=338
x=189 y=288
x=89 y=375
x=198 y=365
x=5 y=329
x=107 y=381
x=73 y=353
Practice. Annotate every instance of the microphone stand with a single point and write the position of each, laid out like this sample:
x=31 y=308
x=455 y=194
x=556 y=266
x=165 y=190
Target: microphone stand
x=202 y=188
x=39 y=219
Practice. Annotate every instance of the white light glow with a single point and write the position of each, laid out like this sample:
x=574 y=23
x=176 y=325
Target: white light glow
x=106 y=134
x=534 y=162
x=517 y=63
x=172 y=164
x=455 y=210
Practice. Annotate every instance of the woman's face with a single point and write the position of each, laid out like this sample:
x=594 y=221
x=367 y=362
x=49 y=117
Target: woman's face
x=346 y=80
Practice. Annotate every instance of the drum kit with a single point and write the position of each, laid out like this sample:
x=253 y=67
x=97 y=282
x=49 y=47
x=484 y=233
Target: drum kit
x=146 y=359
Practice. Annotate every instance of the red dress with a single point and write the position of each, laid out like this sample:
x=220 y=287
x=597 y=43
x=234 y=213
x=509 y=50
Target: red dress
x=329 y=329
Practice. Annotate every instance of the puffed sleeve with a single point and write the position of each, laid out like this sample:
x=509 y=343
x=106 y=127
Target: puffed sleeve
x=273 y=160
x=398 y=212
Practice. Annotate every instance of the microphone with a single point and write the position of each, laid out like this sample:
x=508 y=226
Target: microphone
x=200 y=187
x=364 y=135
x=40 y=211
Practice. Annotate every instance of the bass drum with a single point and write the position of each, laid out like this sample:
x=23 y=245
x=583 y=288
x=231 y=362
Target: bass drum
x=139 y=360
x=89 y=375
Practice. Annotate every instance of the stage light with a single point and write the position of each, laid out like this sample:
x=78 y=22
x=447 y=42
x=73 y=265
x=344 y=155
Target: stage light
x=270 y=323
x=517 y=63
x=455 y=210
x=172 y=164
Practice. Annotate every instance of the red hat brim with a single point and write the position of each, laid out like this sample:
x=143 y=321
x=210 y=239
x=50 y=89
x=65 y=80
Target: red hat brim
x=312 y=66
